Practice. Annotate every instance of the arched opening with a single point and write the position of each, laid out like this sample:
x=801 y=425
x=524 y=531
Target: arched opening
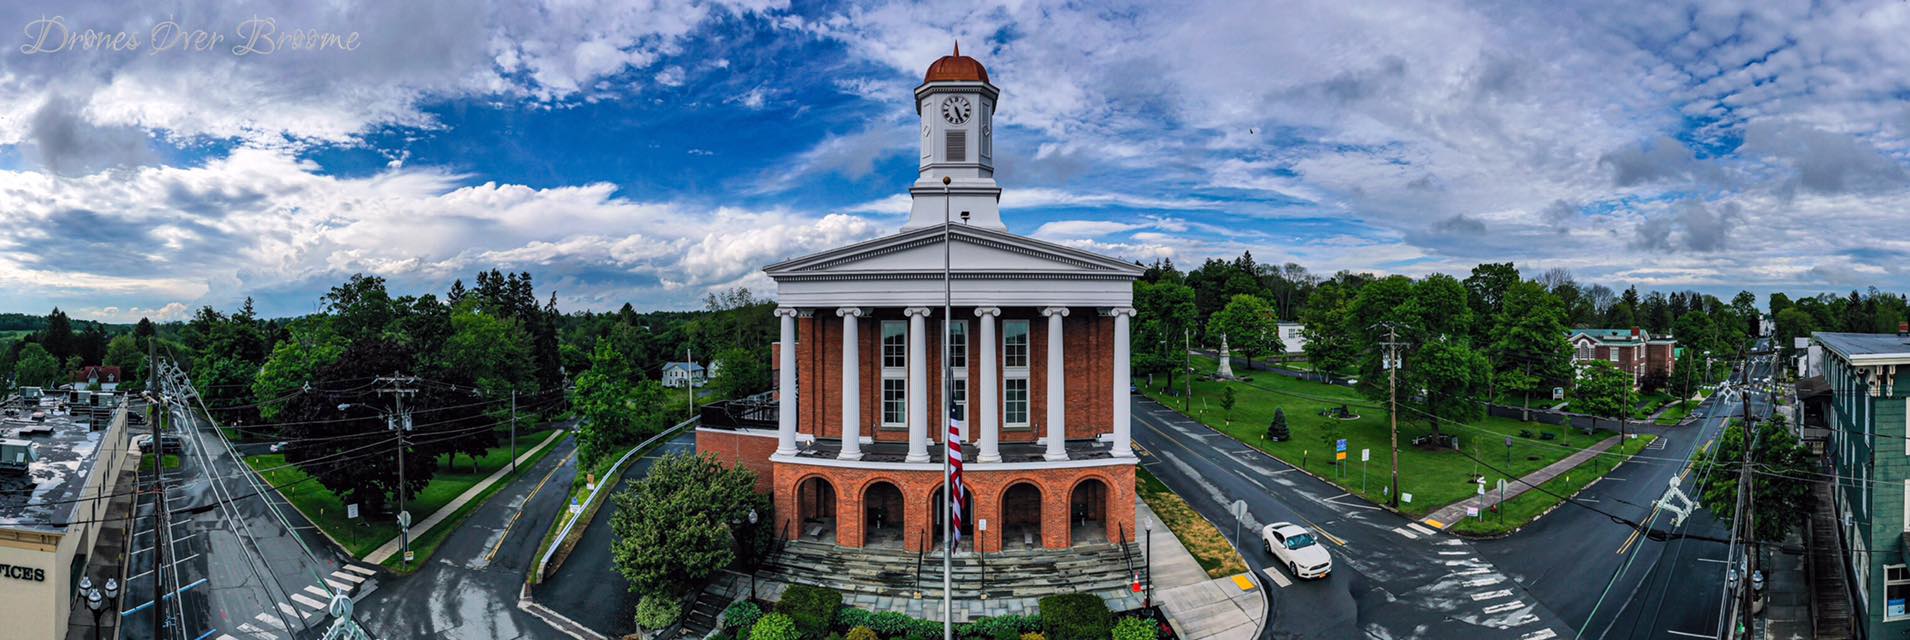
x=938 y=511
x=882 y=515
x=816 y=505
x=1021 y=517
x=1088 y=512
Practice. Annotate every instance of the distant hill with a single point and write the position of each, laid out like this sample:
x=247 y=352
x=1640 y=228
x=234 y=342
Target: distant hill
x=17 y=323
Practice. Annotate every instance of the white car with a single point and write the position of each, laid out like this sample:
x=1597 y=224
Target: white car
x=1295 y=546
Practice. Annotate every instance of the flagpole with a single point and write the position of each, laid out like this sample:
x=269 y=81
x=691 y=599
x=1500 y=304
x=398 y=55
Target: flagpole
x=948 y=415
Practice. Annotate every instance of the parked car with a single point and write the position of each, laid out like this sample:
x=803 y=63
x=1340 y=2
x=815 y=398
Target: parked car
x=171 y=444
x=1294 y=545
x=278 y=447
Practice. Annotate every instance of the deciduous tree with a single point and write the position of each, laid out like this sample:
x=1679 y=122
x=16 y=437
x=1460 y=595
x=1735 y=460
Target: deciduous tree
x=684 y=521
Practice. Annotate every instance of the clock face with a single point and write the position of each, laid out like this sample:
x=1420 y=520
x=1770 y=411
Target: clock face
x=956 y=110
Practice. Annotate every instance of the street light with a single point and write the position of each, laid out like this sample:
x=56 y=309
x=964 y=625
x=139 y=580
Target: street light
x=97 y=601
x=752 y=555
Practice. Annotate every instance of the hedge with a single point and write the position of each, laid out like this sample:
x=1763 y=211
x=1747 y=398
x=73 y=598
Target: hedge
x=1075 y=616
x=812 y=608
x=774 y=626
x=741 y=615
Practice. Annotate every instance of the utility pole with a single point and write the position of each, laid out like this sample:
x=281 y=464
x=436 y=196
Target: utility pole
x=1746 y=491
x=159 y=510
x=400 y=421
x=1392 y=399
x=1186 y=347
x=513 y=430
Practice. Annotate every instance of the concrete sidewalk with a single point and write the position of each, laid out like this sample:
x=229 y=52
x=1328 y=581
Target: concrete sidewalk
x=1199 y=608
x=1456 y=511
x=390 y=548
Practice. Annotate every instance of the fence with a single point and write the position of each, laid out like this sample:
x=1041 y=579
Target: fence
x=615 y=469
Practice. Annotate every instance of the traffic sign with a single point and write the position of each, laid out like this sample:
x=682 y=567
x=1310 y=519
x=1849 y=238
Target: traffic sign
x=1339 y=455
x=404 y=519
x=1340 y=445
x=1366 y=454
x=351 y=511
x=574 y=507
x=1239 y=509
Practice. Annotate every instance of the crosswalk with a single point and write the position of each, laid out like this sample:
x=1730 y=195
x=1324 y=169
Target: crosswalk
x=312 y=603
x=1495 y=603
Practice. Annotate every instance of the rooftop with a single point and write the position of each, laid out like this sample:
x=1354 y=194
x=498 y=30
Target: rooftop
x=1867 y=348
x=44 y=499
x=1010 y=451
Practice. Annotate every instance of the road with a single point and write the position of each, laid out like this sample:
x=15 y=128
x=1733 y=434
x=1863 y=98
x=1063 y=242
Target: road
x=469 y=588
x=1613 y=584
x=587 y=588
x=1391 y=578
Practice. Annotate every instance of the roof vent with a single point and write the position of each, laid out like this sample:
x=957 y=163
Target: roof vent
x=1903 y=332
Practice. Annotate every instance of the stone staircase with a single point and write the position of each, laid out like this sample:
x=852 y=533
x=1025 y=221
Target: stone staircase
x=704 y=614
x=1008 y=574
x=1830 y=600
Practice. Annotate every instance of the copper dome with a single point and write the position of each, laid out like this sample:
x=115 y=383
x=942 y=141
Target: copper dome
x=956 y=67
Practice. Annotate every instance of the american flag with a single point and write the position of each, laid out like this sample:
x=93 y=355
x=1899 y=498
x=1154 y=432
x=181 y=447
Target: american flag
x=957 y=491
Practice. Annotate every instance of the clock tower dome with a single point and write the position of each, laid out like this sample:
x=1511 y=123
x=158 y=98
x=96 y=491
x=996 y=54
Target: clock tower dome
x=957 y=106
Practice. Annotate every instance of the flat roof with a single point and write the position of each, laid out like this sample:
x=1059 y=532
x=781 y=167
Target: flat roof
x=1867 y=348
x=45 y=497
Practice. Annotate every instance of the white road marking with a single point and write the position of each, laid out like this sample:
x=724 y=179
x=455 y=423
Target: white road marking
x=1402 y=531
x=1488 y=595
x=1543 y=634
x=359 y=569
x=1278 y=577
x=308 y=602
x=269 y=620
x=1713 y=560
x=317 y=591
x=1473 y=572
x=1483 y=582
x=1504 y=606
x=337 y=586
x=288 y=610
x=1455 y=553
x=347 y=575
x=1422 y=530
x=1686 y=634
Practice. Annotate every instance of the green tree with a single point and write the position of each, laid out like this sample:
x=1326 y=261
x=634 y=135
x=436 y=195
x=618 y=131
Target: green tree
x=1277 y=430
x=1529 y=348
x=58 y=337
x=616 y=412
x=1780 y=471
x=123 y=352
x=1604 y=391
x=1250 y=325
x=1227 y=403
x=1487 y=289
x=684 y=521
x=293 y=364
x=493 y=352
x=36 y=367
x=742 y=372
x=1164 y=312
x=1452 y=376
x=1330 y=344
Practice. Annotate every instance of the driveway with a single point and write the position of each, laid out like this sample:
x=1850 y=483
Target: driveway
x=587 y=588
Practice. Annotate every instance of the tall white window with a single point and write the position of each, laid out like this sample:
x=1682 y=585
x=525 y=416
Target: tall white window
x=1896 y=590
x=1014 y=342
x=958 y=367
x=895 y=373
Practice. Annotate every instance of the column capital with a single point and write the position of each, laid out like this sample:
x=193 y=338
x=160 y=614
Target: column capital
x=787 y=312
x=850 y=311
x=987 y=311
x=918 y=311
x=1120 y=311
x=1054 y=311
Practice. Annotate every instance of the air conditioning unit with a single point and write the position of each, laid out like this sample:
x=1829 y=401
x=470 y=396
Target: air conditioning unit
x=16 y=456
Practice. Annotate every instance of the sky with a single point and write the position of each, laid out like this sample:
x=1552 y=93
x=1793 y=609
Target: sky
x=159 y=157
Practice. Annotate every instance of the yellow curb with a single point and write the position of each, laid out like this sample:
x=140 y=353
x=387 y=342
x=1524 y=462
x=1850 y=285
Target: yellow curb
x=1435 y=523
x=1242 y=582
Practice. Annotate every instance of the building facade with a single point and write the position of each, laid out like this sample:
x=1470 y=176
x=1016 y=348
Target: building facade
x=1036 y=354
x=677 y=375
x=1292 y=339
x=1634 y=351
x=53 y=511
x=1869 y=449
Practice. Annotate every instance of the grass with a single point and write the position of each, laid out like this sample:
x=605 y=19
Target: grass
x=1527 y=506
x=169 y=461
x=1197 y=534
x=361 y=536
x=427 y=543
x=1676 y=413
x=1433 y=477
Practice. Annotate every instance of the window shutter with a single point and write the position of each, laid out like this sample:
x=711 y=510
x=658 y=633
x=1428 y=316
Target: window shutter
x=957 y=145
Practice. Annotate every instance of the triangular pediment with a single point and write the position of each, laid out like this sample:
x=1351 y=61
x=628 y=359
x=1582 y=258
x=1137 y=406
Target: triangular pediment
x=969 y=249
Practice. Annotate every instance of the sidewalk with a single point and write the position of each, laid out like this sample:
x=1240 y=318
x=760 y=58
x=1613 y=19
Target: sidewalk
x=1199 y=608
x=390 y=548
x=1457 y=511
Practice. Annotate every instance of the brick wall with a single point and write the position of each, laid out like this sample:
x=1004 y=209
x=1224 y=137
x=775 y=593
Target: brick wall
x=739 y=447
x=987 y=488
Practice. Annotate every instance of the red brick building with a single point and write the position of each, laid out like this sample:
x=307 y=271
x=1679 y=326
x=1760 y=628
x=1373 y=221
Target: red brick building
x=1634 y=351
x=1036 y=361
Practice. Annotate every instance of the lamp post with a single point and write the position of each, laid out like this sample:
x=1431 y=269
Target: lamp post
x=96 y=601
x=1147 y=566
x=752 y=554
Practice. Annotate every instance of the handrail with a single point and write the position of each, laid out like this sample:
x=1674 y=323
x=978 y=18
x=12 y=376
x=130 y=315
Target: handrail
x=1127 y=557
x=572 y=522
x=920 y=553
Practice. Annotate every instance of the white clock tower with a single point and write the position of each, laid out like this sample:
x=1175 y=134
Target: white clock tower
x=957 y=107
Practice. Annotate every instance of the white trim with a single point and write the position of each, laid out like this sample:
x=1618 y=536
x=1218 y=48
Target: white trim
x=1071 y=463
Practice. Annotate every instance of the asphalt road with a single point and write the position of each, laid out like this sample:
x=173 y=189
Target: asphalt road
x=587 y=588
x=1612 y=584
x=1390 y=580
x=469 y=588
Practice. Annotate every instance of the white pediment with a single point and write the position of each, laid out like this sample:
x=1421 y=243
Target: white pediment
x=970 y=250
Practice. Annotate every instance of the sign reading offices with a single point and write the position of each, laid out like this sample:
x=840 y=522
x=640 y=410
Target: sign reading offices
x=18 y=572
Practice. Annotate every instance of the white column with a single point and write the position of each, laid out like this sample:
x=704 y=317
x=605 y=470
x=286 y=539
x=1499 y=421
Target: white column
x=918 y=384
x=786 y=386
x=1057 y=387
x=990 y=402
x=851 y=385
x=1122 y=420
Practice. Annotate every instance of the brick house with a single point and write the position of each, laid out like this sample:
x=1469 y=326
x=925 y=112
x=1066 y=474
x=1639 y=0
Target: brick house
x=1036 y=354
x=1634 y=350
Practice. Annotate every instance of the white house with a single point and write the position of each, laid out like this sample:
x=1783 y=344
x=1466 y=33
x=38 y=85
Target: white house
x=1292 y=338
x=678 y=374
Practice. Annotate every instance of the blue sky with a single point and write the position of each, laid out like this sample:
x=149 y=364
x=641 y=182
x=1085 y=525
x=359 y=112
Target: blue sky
x=651 y=152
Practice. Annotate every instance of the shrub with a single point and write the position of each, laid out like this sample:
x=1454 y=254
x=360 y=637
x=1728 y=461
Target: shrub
x=850 y=617
x=741 y=615
x=924 y=629
x=656 y=611
x=1525 y=433
x=1009 y=627
x=1036 y=635
x=890 y=623
x=1277 y=430
x=775 y=626
x=1075 y=616
x=1136 y=629
x=862 y=633
x=812 y=608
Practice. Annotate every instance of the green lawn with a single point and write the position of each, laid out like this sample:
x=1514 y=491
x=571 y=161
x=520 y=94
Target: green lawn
x=1676 y=413
x=1522 y=509
x=1433 y=477
x=170 y=461
x=1211 y=549
x=365 y=534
